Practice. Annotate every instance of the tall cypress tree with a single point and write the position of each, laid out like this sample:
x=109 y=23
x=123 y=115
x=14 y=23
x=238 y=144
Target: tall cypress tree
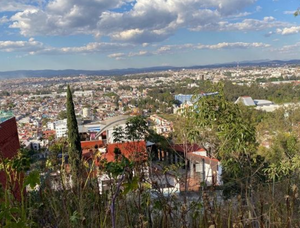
x=74 y=150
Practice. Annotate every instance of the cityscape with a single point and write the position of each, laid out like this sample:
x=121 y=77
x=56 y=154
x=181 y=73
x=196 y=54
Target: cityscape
x=149 y=114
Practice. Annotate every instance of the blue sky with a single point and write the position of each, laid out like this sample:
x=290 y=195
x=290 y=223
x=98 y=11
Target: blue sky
x=110 y=34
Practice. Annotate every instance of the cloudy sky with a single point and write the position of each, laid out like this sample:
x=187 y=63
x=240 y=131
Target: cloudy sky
x=109 y=34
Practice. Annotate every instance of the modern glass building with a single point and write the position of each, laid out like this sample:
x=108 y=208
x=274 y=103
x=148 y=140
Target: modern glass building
x=190 y=98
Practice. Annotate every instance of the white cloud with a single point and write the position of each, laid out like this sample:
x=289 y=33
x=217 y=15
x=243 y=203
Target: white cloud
x=269 y=19
x=172 y=49
x=175 y=49
x=21 y=46
x=243 y=14
x=145 y=22
x=95 y=47
x=224 y=45
x=128 y=34
x=236 y=45
x=4 y=20
x=288 y=50
x=268 y=34
x=245 y=25
x=34 y=47
x=112 y=50
x=63 y=17
x=289 y=12
x=117 y=56
x=140 y=53
x=258 y=8
x=16 y=5
x=289 y=31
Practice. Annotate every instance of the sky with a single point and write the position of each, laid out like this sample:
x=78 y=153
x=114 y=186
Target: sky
x=116 y=34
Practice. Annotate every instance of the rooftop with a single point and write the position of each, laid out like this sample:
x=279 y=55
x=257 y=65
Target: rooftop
x=5 y=115
x=185 y=98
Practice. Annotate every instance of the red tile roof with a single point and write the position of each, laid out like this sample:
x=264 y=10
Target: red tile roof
x=91 y=144
x=131 y=150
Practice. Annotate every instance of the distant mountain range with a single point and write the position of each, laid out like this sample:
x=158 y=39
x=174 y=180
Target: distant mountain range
x=71 y=72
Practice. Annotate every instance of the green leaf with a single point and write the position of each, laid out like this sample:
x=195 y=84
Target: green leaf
x=33 y=179
x=131 y=186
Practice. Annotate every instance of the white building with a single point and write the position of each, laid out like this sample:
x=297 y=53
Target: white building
x=110 y=125
x=86 y=112
x=248 y=101
x=207 y=170
x=61 y=128
x=88 y=93
x=51 y=125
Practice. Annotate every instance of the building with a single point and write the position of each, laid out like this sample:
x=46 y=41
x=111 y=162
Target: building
x=9 y=144
x=9 y=139
x=187 y=100
x=86 y=113
x=88 y=93
x=89 y=129
x=204 y=169
x=190 y=98
x=61 y=128
x=248 y=101
x=49 y=133
x=106 y=133
x=106 y=144
x=161 y=126
x=34 y=145
x=51 y=125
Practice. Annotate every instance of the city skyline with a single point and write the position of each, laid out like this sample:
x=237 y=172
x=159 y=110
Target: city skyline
x=109 y=34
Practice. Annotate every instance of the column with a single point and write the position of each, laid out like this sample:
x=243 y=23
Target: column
x=191 y=169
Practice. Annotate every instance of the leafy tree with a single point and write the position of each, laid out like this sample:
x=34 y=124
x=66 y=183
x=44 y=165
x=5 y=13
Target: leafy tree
x=56 y=148
x=74 y=149
x=232 y=137
x=136 y=129
x=45 y=121
x=62 y=115
x=283 y=155
x=4 y=94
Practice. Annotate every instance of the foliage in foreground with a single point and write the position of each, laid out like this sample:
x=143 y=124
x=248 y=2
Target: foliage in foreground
x=135 y=205
x=261 y=186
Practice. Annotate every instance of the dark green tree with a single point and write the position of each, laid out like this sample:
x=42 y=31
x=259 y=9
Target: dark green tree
x=62 y=115
x=74 y=149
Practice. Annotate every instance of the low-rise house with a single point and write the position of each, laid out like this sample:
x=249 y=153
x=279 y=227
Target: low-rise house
x=161 y=126
x=49 y=133
x=202 y=168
